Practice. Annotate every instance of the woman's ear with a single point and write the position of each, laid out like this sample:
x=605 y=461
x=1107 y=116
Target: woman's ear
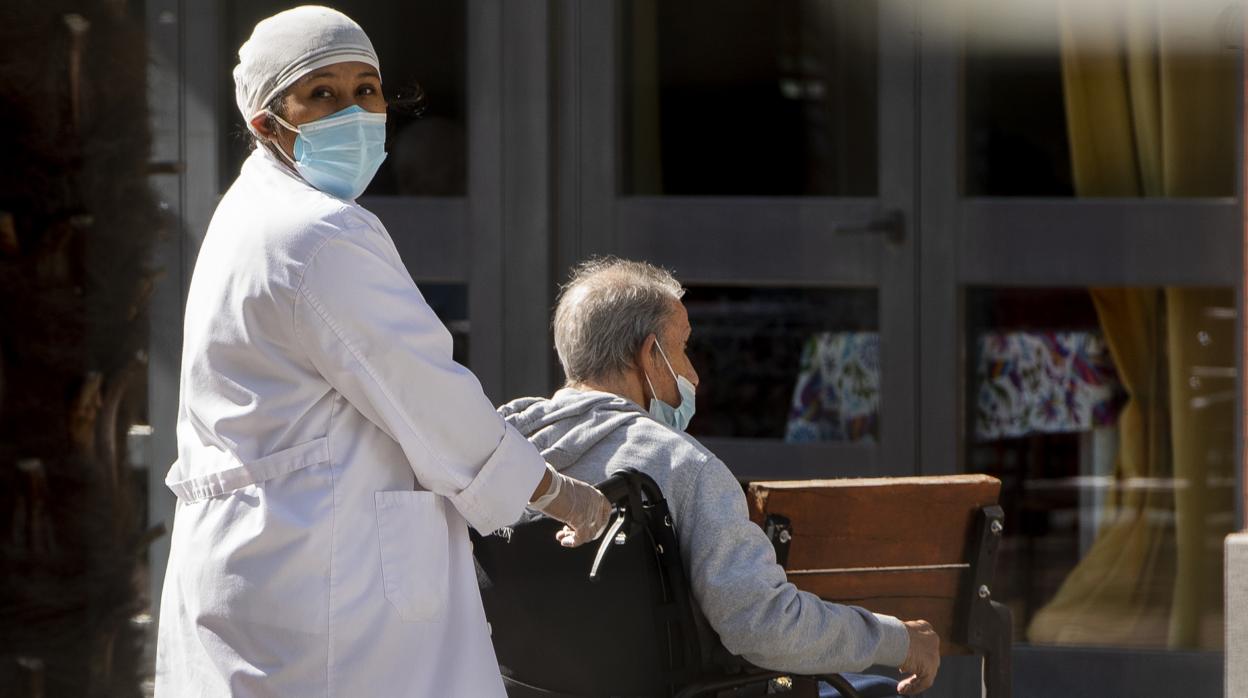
x=263 y=124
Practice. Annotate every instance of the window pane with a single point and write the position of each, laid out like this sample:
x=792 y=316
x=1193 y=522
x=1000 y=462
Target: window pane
x=1109 y=415
x=84 y=236
x=450 y=304
x=782 y=363
x=417 y=43
x=767 y=99
x=1100 y=99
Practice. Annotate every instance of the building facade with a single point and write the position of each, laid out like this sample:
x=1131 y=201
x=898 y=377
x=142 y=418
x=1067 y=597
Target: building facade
x=918 y=237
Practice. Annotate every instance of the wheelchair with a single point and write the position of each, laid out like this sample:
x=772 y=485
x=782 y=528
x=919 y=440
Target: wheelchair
x=616 y=619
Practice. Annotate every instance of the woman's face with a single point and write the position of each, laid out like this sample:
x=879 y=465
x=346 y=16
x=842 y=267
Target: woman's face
x=320 y=93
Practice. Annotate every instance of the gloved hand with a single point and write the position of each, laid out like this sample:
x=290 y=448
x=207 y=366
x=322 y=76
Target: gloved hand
x=578 y=504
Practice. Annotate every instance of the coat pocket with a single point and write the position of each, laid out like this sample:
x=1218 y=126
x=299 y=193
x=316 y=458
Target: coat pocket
x=415 y=552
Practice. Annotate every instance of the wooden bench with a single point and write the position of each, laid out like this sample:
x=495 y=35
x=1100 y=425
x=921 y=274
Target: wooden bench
x=912 y=547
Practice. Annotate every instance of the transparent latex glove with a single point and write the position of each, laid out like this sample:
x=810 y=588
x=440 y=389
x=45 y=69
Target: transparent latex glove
x=578 y=504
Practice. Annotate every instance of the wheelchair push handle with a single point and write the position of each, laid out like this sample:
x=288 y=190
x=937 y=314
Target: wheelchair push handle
x=627 y=490
x=629 y=487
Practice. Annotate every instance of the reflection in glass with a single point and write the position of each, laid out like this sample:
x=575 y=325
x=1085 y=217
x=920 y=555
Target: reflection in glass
x=779 y=363
x=1043 y=381
x=767 y=99
x=417 y=43
x=1109 y=416
x=82 y=236
x=426 y=158
x=1100 y=99
x=450 y=303
x=837 y=395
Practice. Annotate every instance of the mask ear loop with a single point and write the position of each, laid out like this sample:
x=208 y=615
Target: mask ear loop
x=653 y=395
x=289 y=126
x=669 y=363
x=277 y=148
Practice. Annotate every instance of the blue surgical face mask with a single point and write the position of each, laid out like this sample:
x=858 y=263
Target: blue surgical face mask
x=674 y=417
x=339 y=153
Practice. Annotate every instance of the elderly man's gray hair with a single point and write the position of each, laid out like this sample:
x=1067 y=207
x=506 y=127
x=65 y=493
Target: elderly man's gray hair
x=606 y=311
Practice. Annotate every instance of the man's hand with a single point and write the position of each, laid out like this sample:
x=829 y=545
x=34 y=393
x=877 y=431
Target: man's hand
x=922 y=661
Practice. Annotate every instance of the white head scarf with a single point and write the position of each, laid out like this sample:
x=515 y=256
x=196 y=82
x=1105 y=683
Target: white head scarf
x=291 y=44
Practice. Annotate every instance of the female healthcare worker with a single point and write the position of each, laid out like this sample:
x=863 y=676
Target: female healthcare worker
x=330 y=452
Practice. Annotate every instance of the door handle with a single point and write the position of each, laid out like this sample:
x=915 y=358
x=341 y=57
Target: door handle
x=891 y=226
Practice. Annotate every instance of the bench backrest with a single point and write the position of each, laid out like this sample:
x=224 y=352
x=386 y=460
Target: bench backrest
x=907 y=547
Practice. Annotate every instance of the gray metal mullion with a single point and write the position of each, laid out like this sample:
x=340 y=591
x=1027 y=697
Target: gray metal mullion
x=431 y=235
x=202 y=131
x=599 y=85
x=1105 y=242
x=897 y=303
x=510 y=200
x=165 y=312
x=485 y=192
x=183 y=41
x=770 y=459
x=527 y=198
x=940 y=398
x=789 y=241
x=1041 y=670
x=566 y=27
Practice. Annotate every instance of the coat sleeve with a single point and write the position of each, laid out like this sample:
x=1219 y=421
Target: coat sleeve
x=747 y=598
x=369 y=332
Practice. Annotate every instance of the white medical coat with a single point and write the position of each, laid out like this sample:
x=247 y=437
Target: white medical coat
x=330 y=453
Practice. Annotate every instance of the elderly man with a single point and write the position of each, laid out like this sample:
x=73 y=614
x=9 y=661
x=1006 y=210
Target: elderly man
x=621 y=332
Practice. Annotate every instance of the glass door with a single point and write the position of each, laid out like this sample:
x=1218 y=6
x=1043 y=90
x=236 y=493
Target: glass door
x=1079 y=280
x=765 y=152
x=420 y=192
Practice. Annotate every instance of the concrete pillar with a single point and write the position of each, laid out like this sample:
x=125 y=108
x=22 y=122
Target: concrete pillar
x=1237 y=614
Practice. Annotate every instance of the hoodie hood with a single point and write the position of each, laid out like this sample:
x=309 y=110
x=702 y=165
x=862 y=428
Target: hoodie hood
x=567 y=425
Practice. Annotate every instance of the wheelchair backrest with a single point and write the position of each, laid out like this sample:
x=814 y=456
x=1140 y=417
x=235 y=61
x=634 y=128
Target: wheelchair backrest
x=628 y=632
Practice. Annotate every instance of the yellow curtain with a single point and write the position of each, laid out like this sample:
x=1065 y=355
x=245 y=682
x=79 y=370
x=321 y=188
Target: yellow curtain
x=1150 y=107
x=1118 y=595
x=1202 y=427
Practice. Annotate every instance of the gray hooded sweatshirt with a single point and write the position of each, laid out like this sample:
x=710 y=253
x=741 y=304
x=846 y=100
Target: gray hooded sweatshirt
x=739 y=588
